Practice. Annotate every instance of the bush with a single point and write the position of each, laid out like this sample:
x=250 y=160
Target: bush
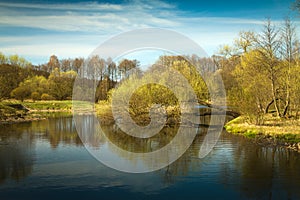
x=21 y=93
x=35 y=96
x=47 y=97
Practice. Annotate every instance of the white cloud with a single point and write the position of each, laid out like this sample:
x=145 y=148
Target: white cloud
x=90 y=6
x=86 y=17
x=77 y=29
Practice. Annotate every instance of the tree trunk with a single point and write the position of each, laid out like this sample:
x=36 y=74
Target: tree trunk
x=275 y=97
x=268 y=106
x=287 y=101
x=286 y=107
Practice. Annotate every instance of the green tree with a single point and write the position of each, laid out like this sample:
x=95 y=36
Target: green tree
x=18 y=61
x=268 y=46
x=32 y=87
x=61 y=84
x=22 y=92
x=254 y=95
x=10 y=77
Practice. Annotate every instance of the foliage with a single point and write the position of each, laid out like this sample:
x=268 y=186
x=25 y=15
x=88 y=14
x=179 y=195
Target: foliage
x=21 y=92
x=32 y=87
x=61 y=84
x=261 y=72
x=35 y=96
x=47 y=97
x=157 y=90
x=10 y=77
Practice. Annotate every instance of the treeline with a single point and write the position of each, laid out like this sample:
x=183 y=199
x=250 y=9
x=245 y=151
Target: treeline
x=261 y=71
x=21 y=80
x=13 y=71
x=54 y=80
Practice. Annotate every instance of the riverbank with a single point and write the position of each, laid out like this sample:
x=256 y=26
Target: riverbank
x=12 y=111
x=104 y=112
x=274 y=132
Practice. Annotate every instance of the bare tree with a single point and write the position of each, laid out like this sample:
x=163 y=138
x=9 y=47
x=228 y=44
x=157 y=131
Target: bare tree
x=245 y=41
x=65 y=65
x=289 y=41
x=77 y=65
x=53 y=63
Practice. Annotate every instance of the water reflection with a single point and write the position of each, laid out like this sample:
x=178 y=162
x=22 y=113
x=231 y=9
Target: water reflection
x=16 y=153
x=51 y=155
x=266 y=172
x=136 y=154
x=56 y=130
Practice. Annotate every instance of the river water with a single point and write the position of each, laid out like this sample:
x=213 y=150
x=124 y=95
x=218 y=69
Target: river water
x=47 y=160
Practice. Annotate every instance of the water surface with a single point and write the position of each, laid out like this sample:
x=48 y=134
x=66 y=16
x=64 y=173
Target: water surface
x=46 y=160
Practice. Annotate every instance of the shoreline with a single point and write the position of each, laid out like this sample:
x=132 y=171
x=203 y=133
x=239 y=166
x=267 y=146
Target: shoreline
x=13 y=112
x=279 y=134
x=276 y=133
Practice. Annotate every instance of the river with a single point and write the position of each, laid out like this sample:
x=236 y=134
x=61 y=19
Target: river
x=47 y=160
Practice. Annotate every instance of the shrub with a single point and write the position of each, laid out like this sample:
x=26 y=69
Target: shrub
x=20 y=93
x=35 y=96
x=47 y=97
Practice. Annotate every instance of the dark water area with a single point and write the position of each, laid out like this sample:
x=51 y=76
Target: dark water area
x=47 y=160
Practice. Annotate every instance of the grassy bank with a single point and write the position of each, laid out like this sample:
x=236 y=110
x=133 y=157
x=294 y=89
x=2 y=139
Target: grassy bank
x=42 y=109
x=12 y=111
x=274 y=131
x=48 y=106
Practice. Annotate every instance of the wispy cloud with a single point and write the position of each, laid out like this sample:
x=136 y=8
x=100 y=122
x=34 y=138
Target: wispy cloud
x=89 y=6
x=70 y=29
x=87 y=17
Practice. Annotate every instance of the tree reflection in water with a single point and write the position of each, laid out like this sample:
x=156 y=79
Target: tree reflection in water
x=16 y=153
x=236 y=164
x=264 y=172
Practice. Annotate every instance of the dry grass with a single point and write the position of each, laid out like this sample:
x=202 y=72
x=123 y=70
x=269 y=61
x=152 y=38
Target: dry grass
x=286 y=129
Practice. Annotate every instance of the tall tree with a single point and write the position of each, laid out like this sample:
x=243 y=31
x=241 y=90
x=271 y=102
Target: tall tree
x=77 y=65
x=53 y=63
x=269 y=47
x=245 y=41
x=61 y=84
x=126 y=65
x=65 y=65
x=111 y=69
x=289 y=41
x=254 y=94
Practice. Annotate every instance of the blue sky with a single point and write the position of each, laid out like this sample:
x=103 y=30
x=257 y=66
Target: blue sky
x=37 y=29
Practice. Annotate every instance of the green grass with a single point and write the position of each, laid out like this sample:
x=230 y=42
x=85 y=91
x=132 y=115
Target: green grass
x=49 y=105
x=38 y=110
x=6 y=111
